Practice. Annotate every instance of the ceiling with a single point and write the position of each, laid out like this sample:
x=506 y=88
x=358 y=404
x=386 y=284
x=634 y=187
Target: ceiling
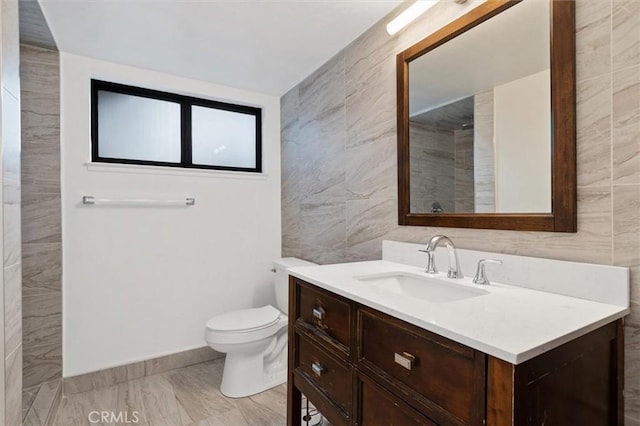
x=267 y=46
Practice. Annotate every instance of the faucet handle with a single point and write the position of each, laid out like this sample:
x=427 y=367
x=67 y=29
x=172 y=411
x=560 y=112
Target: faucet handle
x=481 y=273
x=431 y=261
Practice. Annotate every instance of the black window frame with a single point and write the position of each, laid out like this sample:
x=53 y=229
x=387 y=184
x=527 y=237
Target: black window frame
x=186 y=141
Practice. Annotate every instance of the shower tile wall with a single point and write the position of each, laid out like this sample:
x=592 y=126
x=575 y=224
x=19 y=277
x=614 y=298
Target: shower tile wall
x=484 y=171
x=339 y=190
x=10 y=294
x=41 y=234
x=432 y=168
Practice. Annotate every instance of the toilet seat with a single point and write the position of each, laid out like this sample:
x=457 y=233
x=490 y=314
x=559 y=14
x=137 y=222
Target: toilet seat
x=245 y=325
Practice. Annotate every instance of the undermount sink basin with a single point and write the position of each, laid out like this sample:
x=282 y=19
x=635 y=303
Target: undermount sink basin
x=421 y=286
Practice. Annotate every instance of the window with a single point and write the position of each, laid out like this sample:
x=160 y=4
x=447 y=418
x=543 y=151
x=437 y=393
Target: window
x=132 y=125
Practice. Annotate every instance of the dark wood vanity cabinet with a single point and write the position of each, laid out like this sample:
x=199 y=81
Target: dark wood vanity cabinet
x=359 y=366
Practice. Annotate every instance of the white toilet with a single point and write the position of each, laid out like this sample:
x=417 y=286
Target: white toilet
x=255 y=340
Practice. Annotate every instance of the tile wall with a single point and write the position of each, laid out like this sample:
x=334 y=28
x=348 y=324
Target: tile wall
x=11 y=271
x=41 y=233
x=339 y=175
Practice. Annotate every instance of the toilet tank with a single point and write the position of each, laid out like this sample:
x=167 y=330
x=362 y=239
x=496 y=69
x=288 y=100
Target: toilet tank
x=281 y=279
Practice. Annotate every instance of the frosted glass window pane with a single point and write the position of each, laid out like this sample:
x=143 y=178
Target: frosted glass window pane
x=137 y=128
x=223 y=138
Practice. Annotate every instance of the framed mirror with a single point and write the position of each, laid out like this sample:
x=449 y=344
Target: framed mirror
x=486 y=120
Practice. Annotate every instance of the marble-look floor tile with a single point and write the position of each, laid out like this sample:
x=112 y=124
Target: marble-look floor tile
x=129 y=400
x=159 y=401
x=28 y=395
x=626 y=126
x=625 y=38
x=593 y=112
x=593 y=38
x=41 y=410
x=197 y=391
x=232 y=417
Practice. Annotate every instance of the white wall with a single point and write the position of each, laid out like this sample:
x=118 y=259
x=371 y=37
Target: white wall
x=523 y=144
x=141 y=282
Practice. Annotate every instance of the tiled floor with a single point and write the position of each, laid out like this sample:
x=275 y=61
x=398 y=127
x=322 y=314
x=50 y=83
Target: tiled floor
x=187 y=396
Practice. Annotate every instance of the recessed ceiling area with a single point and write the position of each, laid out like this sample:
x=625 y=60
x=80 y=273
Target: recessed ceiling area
x=264 y=46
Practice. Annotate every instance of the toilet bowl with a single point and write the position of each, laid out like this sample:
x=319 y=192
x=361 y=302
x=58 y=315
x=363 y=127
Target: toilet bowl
x=255 y=340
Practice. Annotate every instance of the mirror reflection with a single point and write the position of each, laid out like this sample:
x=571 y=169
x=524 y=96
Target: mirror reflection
x=480 y=118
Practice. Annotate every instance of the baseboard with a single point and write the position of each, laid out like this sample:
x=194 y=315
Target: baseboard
x=112 y=376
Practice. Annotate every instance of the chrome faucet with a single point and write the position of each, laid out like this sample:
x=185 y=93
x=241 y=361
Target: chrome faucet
x=454 y=263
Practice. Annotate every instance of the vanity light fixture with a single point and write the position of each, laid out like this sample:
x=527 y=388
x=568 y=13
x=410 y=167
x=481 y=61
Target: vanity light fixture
x=409 y=15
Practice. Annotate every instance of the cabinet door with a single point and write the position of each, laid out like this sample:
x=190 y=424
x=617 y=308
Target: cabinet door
x=445 y=380
x=379 y=407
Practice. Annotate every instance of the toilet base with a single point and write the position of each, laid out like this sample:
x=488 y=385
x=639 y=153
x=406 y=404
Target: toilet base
x=248 y=374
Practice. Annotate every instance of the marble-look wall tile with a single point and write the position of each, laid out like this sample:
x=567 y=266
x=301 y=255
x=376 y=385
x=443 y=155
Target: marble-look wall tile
x=593 y=38
x=42 y=317
x=368 y=223
x=42 y=364
x=593 y=111
x=12 y=307
x=372 y=169
x=322 y=143
x=42 y=266
x=626 y=226
x=13 y=387
x=625 y=38
x=607 y=37
x=322 y=91
x=289 y=105
x=179 y=360
x=42 y=214
x=632 y=372
x=484 y=156
x=323 y=224
x=12 y=247
x=626 y=125
x=10 y=47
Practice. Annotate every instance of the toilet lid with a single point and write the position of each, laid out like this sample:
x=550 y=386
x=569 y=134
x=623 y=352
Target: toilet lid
x=244 y=319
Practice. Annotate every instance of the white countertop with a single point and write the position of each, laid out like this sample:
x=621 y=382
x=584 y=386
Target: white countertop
x=512 y=323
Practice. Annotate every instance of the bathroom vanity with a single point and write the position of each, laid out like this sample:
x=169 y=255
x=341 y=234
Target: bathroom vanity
x=369 y=346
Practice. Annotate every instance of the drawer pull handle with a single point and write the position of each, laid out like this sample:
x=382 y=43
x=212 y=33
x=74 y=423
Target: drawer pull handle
x=404 y=359
x=318 y=313
x=317 y=369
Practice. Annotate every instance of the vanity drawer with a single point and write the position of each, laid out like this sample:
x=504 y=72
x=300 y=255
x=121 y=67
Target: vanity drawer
x=333 y=377
x=325 y=315
x=445 y=379
x=379 y=407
